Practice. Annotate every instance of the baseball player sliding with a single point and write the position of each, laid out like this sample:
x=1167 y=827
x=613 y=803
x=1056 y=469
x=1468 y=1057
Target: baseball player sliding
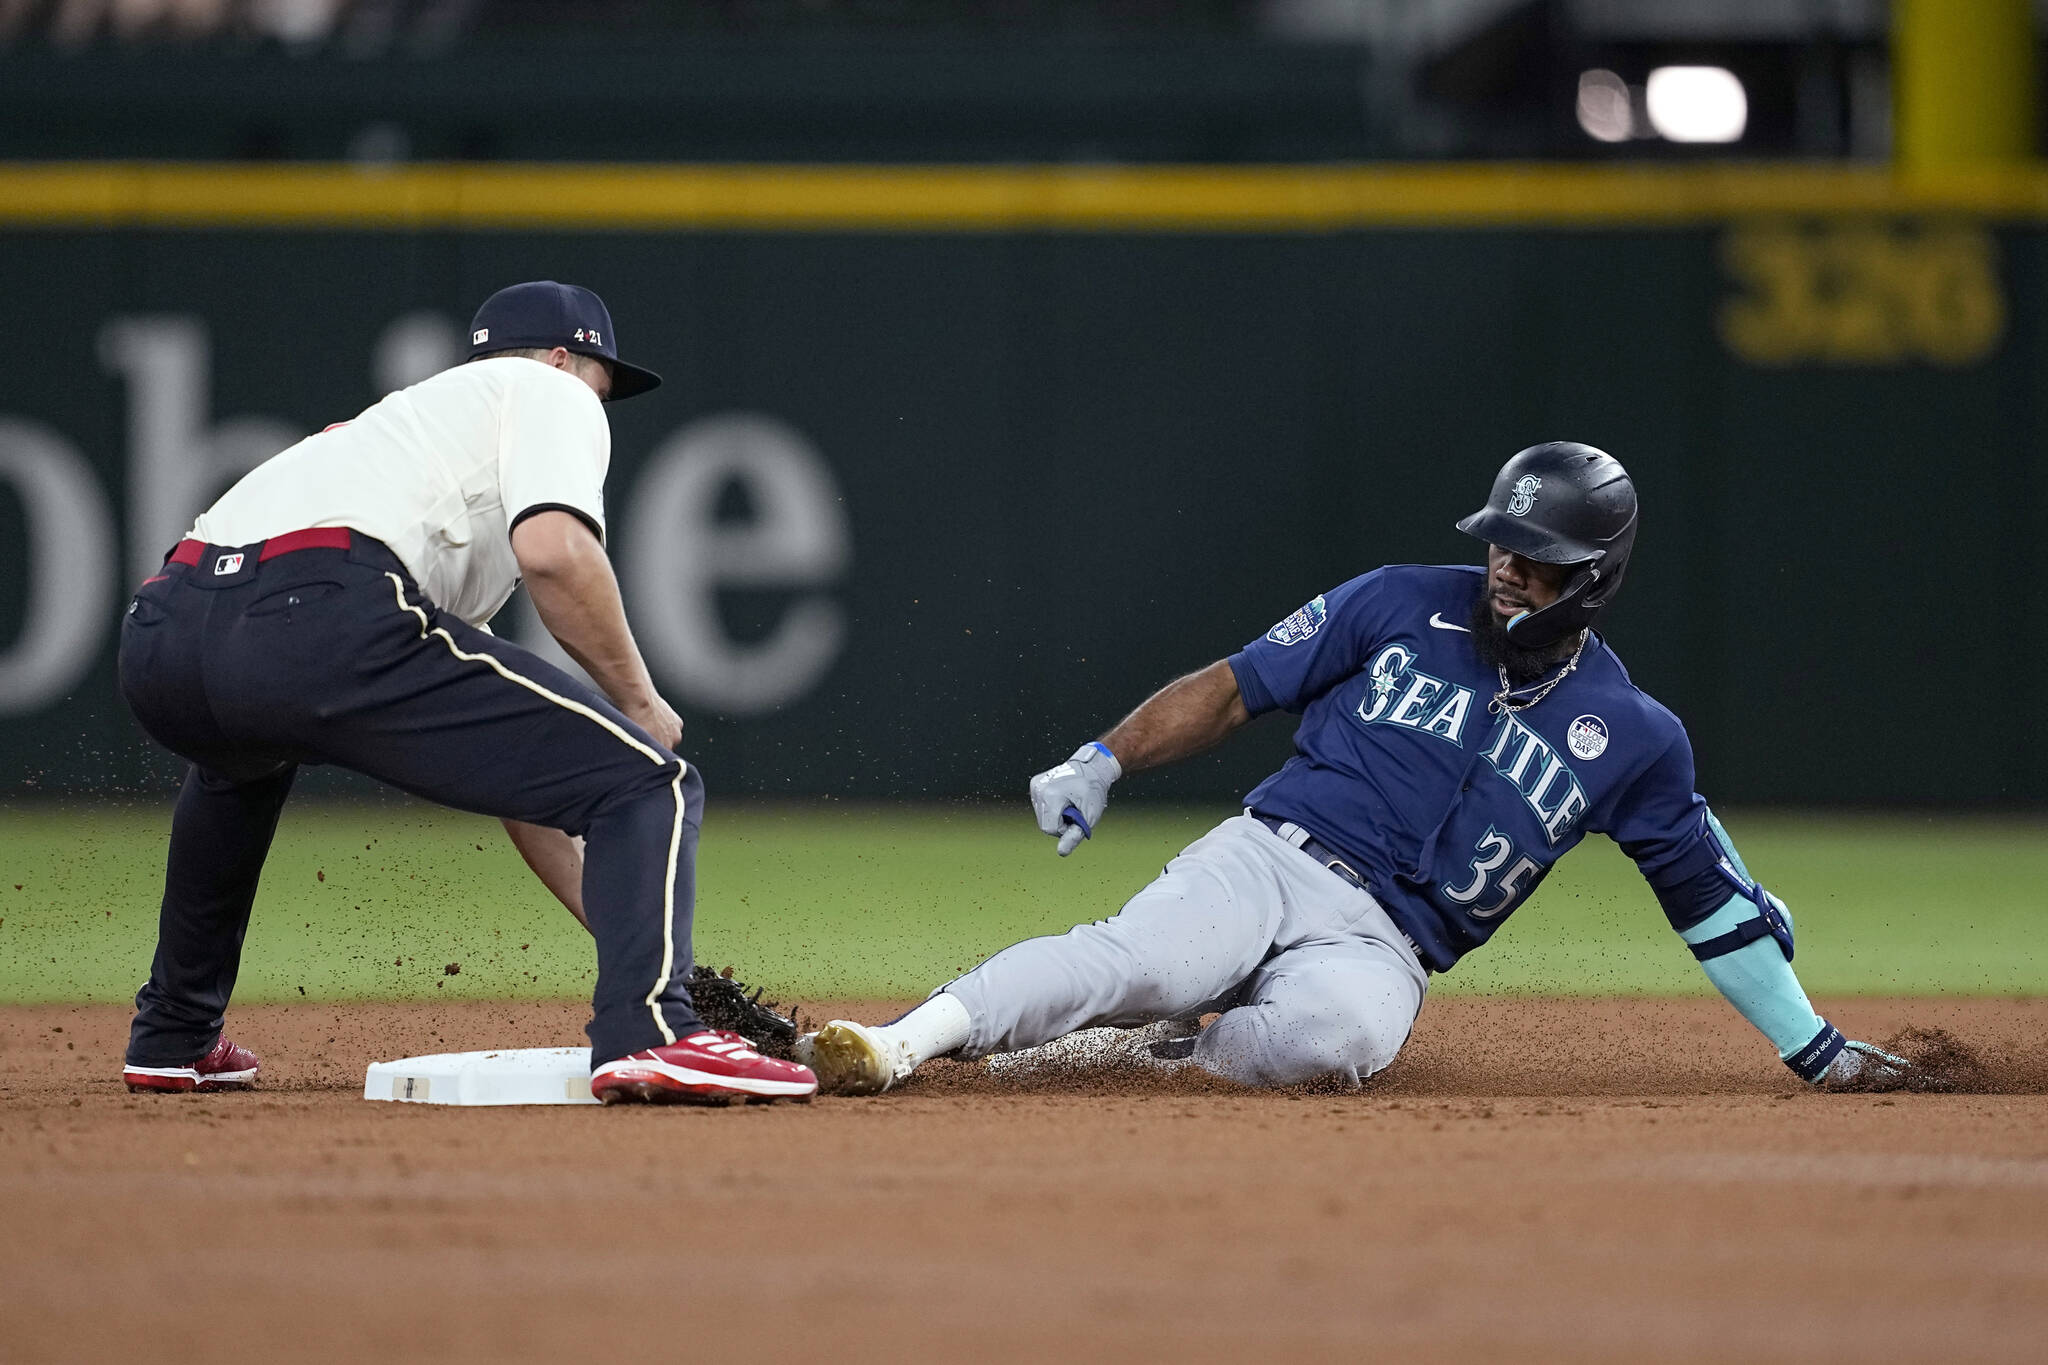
x=1461 y=730
x=330 y=608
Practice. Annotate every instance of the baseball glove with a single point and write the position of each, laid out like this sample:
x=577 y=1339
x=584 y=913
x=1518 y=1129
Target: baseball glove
x=723 y=1003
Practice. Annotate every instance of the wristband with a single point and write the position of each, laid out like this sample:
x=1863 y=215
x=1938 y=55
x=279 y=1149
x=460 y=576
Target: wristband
x=1811 y=1062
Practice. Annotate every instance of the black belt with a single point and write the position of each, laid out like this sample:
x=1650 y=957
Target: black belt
x=1334 y=861
x=1313 y=847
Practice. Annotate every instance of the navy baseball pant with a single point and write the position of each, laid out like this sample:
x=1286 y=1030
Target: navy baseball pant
x=249 y=665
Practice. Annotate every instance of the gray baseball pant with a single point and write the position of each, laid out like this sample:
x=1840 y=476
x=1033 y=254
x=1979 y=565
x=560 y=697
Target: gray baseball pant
x=1312 y=977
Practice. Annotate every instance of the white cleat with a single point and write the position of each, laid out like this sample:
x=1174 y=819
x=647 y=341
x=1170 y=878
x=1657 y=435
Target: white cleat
x=854 y=1059
x=1163 y=1046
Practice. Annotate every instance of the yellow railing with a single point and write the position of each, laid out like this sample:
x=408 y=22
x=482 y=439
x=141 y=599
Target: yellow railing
x=1259 y=198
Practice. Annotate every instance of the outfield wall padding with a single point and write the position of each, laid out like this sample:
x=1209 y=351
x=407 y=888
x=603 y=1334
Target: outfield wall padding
x=926 y=502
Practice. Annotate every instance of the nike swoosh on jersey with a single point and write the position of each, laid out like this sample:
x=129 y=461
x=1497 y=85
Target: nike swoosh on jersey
x=1442 y=624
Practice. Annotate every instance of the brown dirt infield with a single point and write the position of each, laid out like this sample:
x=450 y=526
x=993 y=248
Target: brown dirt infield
x=1607 y=1180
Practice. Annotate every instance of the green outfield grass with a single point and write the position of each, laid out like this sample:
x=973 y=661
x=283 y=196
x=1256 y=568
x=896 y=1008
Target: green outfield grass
x=830 y=900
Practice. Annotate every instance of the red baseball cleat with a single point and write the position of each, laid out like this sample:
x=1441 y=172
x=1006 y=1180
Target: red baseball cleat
x=704 y=1068
x=227 y=1067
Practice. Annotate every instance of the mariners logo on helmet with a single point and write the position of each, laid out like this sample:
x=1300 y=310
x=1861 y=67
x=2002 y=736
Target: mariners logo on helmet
x=1525 y=495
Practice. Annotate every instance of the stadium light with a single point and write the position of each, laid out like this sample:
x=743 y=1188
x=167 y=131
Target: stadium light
x=1605 y=109
x=1695 y=103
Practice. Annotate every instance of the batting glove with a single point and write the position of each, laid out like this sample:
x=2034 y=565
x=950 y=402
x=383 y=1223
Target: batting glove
x=1069 y=800
x=1862 y=1066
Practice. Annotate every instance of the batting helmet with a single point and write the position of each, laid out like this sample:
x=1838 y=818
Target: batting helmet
x=1562 y=503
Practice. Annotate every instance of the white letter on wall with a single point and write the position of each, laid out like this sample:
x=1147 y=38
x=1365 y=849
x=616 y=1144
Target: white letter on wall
x=71 y=553
x=177 y=466
x=679 y=555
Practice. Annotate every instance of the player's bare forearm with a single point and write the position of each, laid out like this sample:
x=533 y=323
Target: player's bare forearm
x=570 y=579
x=573 y=588
x=556 y=858
x=1184 y=717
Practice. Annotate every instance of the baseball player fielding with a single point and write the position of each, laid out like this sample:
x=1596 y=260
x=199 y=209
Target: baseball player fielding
x=331 y=608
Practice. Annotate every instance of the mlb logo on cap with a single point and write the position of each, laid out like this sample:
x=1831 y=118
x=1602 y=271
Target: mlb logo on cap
x=545 y=313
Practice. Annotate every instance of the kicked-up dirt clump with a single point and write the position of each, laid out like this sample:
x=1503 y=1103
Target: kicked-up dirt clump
x=1944 y=1064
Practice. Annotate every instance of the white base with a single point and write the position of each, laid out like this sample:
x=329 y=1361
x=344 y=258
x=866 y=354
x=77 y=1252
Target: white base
x=523 y=1075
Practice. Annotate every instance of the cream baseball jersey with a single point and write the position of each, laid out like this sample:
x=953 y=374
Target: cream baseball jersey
x=440 y=472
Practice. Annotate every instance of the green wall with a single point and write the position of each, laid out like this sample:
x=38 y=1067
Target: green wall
x=1062 y=466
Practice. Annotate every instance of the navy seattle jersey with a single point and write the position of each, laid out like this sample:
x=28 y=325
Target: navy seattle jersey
x=1451 y=811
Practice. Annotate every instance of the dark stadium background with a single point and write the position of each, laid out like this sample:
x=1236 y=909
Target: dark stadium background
x=1044 y=459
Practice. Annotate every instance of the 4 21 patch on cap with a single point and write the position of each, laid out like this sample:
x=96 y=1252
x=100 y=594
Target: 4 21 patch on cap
x=1301 y=625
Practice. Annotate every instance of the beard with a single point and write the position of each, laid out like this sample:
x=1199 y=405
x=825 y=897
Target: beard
x=1522 y=664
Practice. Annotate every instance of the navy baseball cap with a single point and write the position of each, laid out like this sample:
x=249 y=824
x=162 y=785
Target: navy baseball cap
x=544 y=313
